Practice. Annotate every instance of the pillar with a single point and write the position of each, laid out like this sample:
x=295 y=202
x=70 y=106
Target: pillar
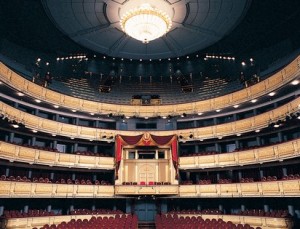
x=240 y=175
x=11 y=137
x=73 y=176
x=30 y=174
x=266 y=208
x=243 y=208
x=7 y=172
x=188 y=175
x=49 y=208
x=52 y=176
x=291 y=210
x=261 y=173
x=26 y=207
x=1 y=210
x=284 y=171
x=33 y=140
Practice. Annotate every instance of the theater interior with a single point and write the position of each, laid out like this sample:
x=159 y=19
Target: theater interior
x=149 y=114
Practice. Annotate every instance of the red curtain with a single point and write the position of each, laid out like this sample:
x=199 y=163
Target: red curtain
x=143 y=140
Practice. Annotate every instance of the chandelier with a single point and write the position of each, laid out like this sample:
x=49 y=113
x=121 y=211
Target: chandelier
x=145 y=23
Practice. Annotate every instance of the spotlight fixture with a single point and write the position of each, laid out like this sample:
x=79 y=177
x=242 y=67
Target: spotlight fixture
x=295 y=82
x=56 y=106
x=20 y=94
x=272 y=93
x=253 y=100
x=38 y=101
x=15 y=125
x=236 y=106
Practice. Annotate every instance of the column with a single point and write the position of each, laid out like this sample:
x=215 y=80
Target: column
x=258 y=141
x=75 y=147
x=52 y=176
x=11 y=137
x=33 y=140
x=7 y=172
x=73 y=176
x=30 y=174
x=243 y=208
x=261 y=173
x=188 y=175
x=266 y=208
x=240 y=175
x=26 y=207
x=279 y=134
x=1 y=210
x=49 y=208
x=291 y=210
x=54 y=144
x=217 y=147
x=95 y=148
x=284 y=171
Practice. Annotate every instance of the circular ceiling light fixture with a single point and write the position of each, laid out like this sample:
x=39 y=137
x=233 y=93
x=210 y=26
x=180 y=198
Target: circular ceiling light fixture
x=145 y=23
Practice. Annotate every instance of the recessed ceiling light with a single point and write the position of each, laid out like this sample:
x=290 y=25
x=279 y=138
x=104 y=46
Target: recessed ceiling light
x=122 y=59
x=238 y=134
x=200 y=113
x=56 y=106
x=34 y=131
x=73 y=110
x=272 y=93
x=253 y=100
x=20 y=94
x=276 y=125
x=187 y=57
x=257 y=131
x=92 y=113
x=236 y=106
x=38 y=59
x=251 y=59
x=164 y=117
x=177 y=58
x=295 y=82
x=104 y=57
x=72 y=137
x=128 y=117
x=146 y=117
x=57 y=58
x=53 y=135
x=243 y=63
x=37 y=100
x=218 y=110
x=15 y=126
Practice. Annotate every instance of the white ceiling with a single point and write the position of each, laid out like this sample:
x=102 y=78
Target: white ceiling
x=196 y=25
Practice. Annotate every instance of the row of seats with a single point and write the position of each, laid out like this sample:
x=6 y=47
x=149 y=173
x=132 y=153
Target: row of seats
x=204 y=153
x=83 y=211
x=31 y=213
x=60 y=181
x=242 y=180
x=192 y=211
x=89 y=153
x=36 y=147
x=117 y=222
x=145 y=183
x=259 y=212
x=165 y=222
x=250 y=212
x=85 y=153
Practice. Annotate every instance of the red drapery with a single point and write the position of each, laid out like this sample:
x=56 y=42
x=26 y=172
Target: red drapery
x=146 y=140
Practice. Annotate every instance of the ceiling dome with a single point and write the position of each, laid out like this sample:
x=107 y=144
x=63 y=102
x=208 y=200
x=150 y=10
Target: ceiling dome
x=196 y=24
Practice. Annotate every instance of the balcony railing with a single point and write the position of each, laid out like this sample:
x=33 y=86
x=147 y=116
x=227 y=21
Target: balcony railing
x=278 y=152
x=280 y=78
x=18 y=153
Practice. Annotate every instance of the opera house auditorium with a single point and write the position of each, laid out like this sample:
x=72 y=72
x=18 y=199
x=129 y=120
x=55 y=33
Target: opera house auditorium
x=127 y=114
